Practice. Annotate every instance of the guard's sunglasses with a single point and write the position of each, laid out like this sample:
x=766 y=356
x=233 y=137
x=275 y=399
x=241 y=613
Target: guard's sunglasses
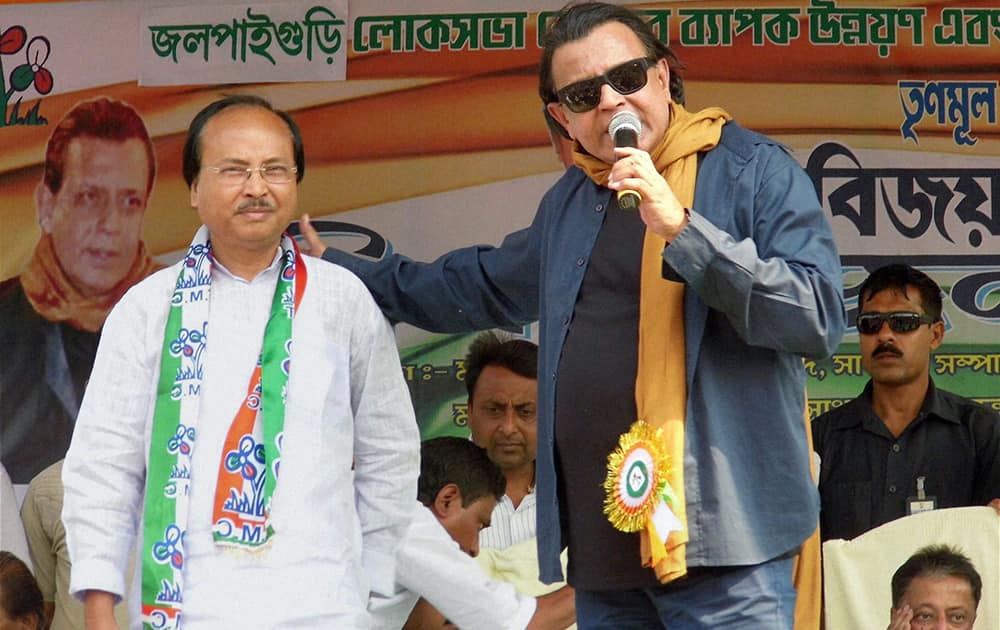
x=899 y=322
x=626 y=78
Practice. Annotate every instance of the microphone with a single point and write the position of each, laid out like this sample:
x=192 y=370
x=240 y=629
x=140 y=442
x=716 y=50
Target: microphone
x=625 y=129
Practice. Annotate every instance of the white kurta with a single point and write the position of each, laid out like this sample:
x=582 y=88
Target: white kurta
x=431 y=565
x=349 y=467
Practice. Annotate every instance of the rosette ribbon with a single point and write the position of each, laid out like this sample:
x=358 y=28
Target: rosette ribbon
x=637 y=494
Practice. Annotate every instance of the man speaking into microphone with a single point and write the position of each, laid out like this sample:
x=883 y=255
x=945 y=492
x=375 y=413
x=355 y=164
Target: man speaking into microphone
x=672 y=454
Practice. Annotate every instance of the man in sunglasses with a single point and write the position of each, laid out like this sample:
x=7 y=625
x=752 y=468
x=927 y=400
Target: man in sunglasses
x=902 y=446
x=691 y=314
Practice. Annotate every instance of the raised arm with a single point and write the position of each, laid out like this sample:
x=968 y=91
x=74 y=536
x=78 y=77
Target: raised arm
x=468 y=289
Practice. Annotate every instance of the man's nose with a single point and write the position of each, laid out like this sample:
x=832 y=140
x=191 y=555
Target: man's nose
x=610 y=97
x=112 y=219
x=255 y=184
x=885 y=331
x=508 y=423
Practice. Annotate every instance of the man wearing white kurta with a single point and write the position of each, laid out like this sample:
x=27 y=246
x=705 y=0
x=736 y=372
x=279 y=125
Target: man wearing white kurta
x=457 y=491
x=347 y=449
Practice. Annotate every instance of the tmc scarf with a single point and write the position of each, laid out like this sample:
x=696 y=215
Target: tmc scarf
x=54 y=297
x=251 y=456
x=661 y=380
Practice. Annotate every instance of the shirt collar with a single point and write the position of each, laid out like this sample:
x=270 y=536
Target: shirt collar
x=938 y=406
x=273 y=267
x=934 y=406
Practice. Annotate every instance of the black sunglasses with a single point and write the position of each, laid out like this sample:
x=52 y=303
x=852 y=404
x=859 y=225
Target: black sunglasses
x=626 y=78
x=899 y=322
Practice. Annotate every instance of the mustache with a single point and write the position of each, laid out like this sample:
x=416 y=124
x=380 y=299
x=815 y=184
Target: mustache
x=883 y=348
x=257 y=203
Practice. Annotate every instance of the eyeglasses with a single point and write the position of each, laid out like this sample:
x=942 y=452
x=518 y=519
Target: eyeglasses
x=899 y=322
x=626 y=78
x=239 y=175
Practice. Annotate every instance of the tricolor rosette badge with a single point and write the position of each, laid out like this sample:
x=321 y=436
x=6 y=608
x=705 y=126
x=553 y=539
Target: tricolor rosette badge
x=637 y=494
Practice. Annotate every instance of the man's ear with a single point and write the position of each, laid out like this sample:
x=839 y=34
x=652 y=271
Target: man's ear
x=194 y=193
x=663 y=75
x=557 y=127
x=448 y=500
x=555 y=110
x=937 y=334
x=45 y=204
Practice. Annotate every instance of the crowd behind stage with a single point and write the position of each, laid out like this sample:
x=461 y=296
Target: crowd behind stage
x=230 y=442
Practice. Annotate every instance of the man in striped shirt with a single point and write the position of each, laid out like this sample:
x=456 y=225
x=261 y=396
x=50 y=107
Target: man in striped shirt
x=500 y=375
x=501 y=378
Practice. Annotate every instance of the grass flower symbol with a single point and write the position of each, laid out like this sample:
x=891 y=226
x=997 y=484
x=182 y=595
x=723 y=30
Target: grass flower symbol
x=34 y=70
x=31 y=73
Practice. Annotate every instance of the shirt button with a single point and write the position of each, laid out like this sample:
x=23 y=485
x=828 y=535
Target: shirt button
x=895 y=448
x=892 y=489
x=599 y=207
x=580 y=261
x=565 y=320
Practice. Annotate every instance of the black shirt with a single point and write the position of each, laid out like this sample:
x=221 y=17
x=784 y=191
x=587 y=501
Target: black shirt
x=867 y=475
x=595 y=404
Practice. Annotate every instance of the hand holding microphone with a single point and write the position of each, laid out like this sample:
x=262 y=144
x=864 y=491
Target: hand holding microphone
x=661 y=211
x=625 y=128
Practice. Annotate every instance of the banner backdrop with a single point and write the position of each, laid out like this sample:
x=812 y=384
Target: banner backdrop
x=423 y=132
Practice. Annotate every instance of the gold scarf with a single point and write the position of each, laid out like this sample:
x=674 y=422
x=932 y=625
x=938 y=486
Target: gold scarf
x=807 y=571
x=661 y=380
x=54 y=297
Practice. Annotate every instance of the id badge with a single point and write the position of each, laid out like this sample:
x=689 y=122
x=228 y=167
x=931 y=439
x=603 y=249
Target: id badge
x=916 y=505
x=921 y=502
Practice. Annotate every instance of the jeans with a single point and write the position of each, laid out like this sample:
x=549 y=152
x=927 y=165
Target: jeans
x=756 y=597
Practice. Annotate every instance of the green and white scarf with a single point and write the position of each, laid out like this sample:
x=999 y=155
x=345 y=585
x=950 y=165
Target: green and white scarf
x=249 y=466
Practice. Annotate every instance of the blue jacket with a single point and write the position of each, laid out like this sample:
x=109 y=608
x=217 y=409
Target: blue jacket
x=764 y=289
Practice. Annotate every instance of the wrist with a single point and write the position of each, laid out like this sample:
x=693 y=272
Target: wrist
x=685 y=219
